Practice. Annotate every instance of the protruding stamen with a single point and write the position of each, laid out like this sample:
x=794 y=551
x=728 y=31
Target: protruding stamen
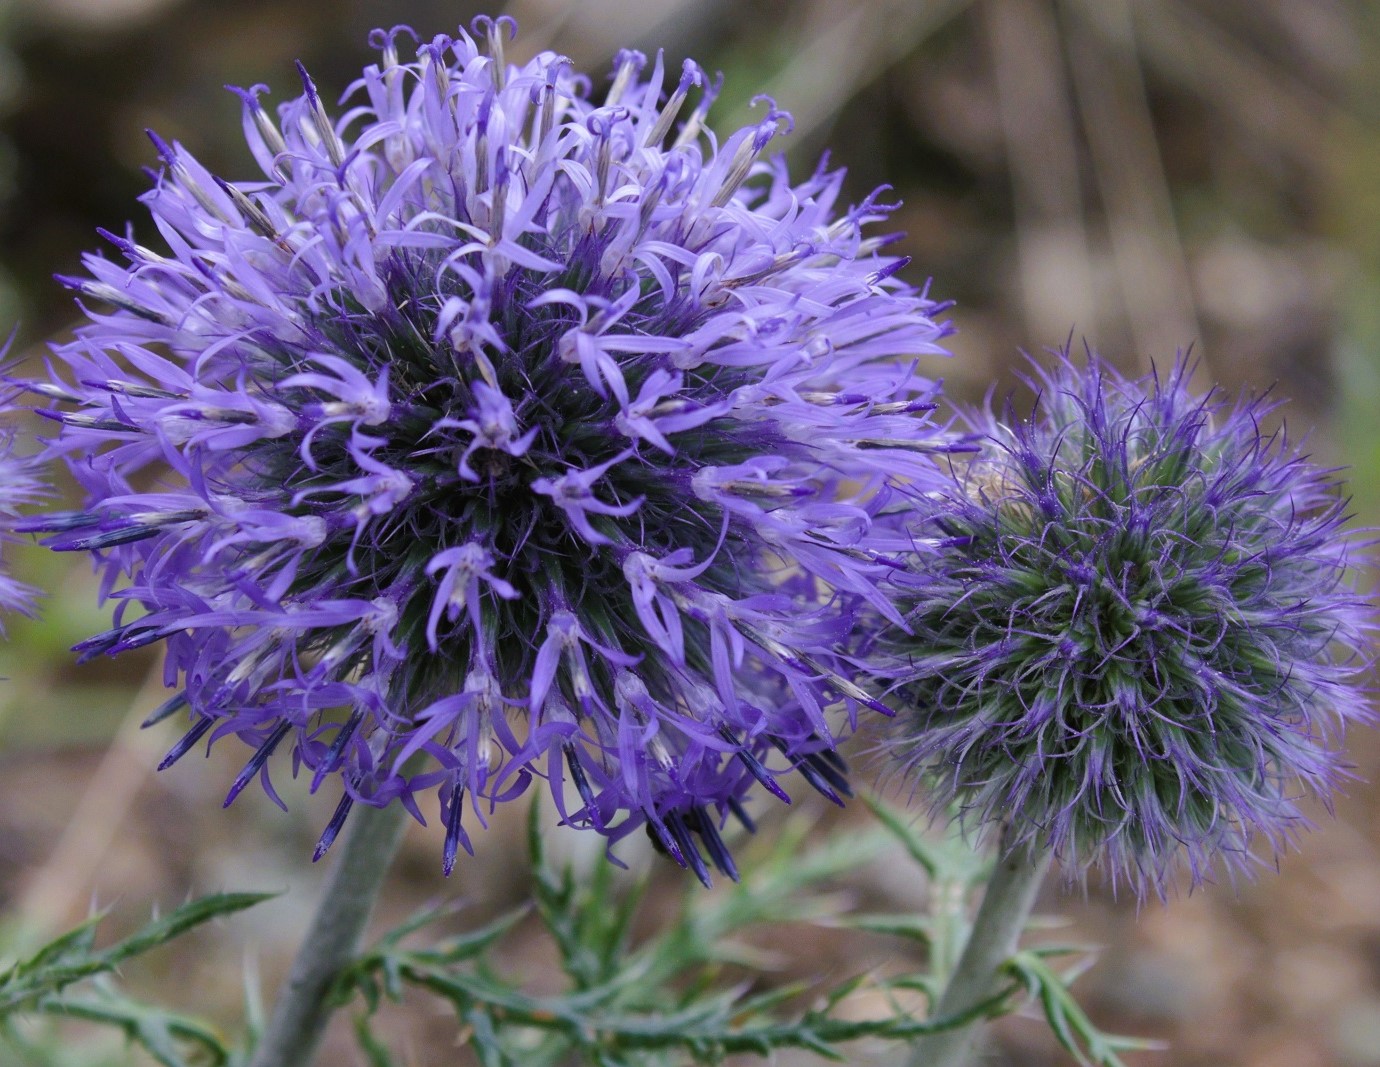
x=135 y=389
x=499 y=196
x=602 y=126
x=58 y=521
x=577 y=775
x=52 y=390
x=832 y=757
x=695 y=123
x=126 y=535
x=675 y=823
x=699 y=820
x=846 y=687
x=188 y=741
x=662 y=841
x=896 y=407
x=651 y=199
x=108 y=294
x=332 y=830
x=256 y=762
x=690 y=75
x=755 y=766
x=85 y=421
x=169 y=707
x=273 y=139
x=440 y=72
x=886 y=272
x=184 y=176
x=119 y=639
x=824 y=770
x=545 y=99
x=740 y=813
x=750 y=149
x=930 y=447
x=492 y=31
x=455 y=833
x=482 y=177
x=628 y=64
x=821 y=777
x=250 y=210
x=330 y=140
x=330 y=763
x=130 y=248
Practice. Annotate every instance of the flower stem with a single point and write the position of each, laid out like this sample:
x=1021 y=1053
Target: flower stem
x=992 y=941
x=366 y=850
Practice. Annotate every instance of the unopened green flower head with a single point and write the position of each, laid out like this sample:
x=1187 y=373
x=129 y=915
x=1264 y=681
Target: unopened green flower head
x=1134 y=632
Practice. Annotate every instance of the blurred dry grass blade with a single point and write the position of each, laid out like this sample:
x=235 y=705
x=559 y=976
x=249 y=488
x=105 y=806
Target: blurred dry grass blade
x=1267 y=100
x=592 y=30
x=840 y=49
x=1037 y=123
x=1147 y=251
x=90 y=14
x=58 y=890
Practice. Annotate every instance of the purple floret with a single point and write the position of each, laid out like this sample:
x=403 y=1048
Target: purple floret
x=21 y=484
x=497 y=433
x=1134 y=629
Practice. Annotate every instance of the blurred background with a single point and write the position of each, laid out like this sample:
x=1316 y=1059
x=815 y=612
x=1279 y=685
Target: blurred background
x=1144 y=175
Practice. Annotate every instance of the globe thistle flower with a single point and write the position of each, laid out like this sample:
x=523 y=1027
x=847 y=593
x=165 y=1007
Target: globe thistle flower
x=490 y=401
x=1134 y=636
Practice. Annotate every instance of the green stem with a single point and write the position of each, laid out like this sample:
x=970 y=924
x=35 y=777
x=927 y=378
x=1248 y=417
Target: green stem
x=1005 y=908
x=364 y=854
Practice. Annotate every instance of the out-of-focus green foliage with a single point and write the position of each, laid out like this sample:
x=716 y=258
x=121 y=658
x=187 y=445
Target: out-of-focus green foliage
x=696 y=990
x=1071 y=1025
x=66 y=978
x=693 y=991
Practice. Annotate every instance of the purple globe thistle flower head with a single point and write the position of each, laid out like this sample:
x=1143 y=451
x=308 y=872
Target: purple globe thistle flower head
x=489 y=401
x=1133 y=630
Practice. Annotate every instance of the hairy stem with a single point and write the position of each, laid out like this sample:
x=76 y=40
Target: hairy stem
x=366 y=850
x=1005 y=908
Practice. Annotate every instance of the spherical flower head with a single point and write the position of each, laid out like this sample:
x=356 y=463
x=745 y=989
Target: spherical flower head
x=498 y=432
x=1132 y=630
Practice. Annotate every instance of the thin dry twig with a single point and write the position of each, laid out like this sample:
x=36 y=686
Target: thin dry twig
x=59 y=890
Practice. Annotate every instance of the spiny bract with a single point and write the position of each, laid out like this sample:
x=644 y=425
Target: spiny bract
x=1133 y=630
x=489 y=398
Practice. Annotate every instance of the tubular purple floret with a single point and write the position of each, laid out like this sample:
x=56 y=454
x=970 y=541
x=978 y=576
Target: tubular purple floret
x=333 y=827
x=691 y=74
x=627 y=65
x=166 y=152
x=491 y=30
x=694 y=125
x=384 y=41
x=250 y=96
